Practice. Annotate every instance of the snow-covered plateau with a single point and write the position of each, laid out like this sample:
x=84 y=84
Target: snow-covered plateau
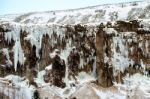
x=97 y=52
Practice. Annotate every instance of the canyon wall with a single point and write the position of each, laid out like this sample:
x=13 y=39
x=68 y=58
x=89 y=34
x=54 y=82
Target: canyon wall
x=25 y=50
x=122 y=48
x=107 y=51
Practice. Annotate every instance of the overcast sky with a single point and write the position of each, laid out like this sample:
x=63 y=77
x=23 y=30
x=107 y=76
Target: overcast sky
x=21 y=6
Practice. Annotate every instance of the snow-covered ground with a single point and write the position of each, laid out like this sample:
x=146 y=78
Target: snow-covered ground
x=88 y=15
x=16 y=87
x=134 y=87
x=19 y=88
x=39 y=24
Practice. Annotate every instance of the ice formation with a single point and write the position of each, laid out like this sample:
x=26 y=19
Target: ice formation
x=65 y=30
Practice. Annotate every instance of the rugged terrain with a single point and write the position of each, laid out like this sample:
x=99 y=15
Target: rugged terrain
x=112 y=41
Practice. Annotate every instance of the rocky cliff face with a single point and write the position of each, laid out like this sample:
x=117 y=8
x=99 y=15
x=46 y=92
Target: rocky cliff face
x=111 y=43
x=119 y=48
x=28 y=51
x=123 y=49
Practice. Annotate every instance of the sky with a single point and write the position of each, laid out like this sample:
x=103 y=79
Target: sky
x=24 y=6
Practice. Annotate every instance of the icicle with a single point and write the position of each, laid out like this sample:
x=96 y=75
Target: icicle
x=8 y=37
x=18 y=54
x=147 y=46
x=131 y=62
x=94 y=67
x=120 y=59
x=142 y=64
x=131 y=50
x=81 y=63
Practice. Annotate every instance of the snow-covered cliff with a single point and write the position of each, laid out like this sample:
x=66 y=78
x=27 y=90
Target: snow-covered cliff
x=112 y=41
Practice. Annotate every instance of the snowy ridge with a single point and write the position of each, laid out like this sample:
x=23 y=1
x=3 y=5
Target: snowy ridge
x=88 y=15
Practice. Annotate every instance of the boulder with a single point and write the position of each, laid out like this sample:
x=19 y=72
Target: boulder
x=84 y=92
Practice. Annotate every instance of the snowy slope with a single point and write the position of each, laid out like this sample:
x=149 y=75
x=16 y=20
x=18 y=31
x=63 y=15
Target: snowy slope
x=95 y=14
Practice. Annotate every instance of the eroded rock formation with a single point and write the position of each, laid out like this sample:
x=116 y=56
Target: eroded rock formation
x=29 y=50
x=121 y=48
x=108 y=50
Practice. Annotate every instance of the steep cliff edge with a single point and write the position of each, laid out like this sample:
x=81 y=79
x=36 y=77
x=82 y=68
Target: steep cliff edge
x=122 y=48
x=112 y=42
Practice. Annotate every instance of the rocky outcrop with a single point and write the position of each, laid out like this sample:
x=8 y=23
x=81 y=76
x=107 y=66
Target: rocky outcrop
x=108 y=49
x=29 y=51
x=121 y=48
x=85 y=92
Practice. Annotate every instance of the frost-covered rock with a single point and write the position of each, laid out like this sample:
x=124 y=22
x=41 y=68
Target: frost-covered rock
x=112 y=42
x=85 y=92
